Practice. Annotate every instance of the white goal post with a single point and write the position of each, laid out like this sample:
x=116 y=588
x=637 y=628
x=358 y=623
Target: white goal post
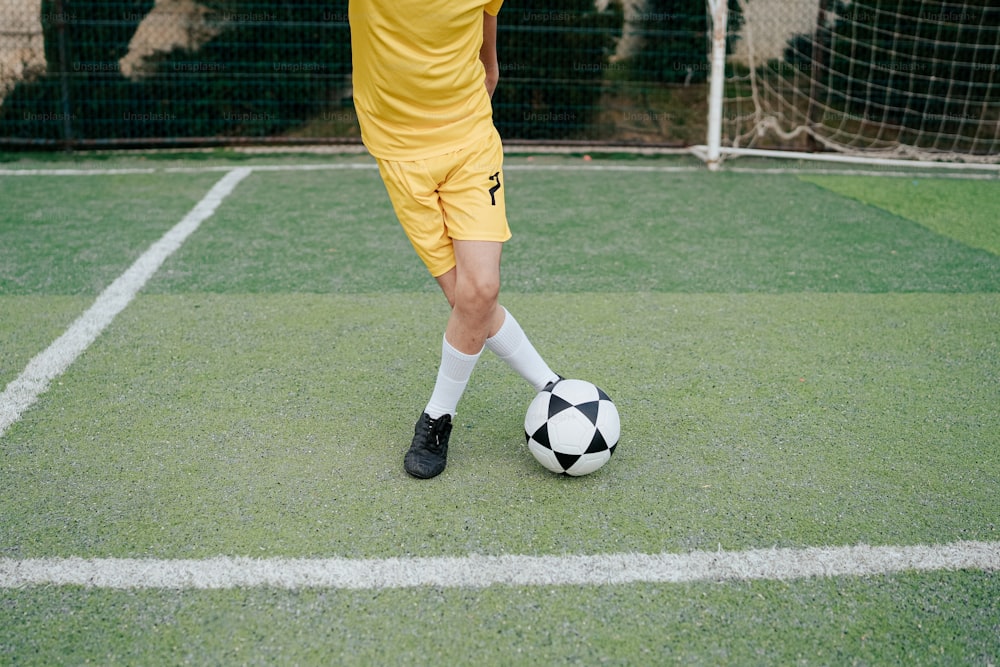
x=885 y=82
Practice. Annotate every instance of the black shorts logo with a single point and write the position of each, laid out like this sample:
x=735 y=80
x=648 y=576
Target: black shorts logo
x=493 y=190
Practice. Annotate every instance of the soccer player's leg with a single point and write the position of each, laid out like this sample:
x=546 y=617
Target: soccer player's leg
x=475 y=211
x=474 y=287
x=413 y=192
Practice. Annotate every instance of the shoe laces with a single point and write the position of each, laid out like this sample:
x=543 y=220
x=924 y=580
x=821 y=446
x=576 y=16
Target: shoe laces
x=430 y=429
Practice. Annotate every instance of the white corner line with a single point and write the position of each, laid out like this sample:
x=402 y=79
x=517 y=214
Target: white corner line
x=476 y=571
x=24 y=390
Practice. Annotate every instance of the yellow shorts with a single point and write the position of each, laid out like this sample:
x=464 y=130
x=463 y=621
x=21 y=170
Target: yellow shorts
x=458 y=195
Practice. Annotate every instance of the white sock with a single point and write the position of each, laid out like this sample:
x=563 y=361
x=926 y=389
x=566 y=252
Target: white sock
x=512 y=345
x=453 y=374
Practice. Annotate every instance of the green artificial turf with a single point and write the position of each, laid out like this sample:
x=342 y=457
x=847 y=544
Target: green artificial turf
x=274 y=425
x=76 y=234
x=580 y=231
x=965 y=210
x=943 y=618
x=795 y=366
x=28 y=324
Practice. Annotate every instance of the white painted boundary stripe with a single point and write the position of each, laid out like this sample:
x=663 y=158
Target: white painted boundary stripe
x=482 y=571
x=330 y=166
x=665 y=169
x=659 y=169
x=73 y=172
x=778 y=171
x=24 y=390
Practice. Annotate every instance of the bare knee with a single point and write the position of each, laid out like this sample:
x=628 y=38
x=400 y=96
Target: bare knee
x=476 y=286
x=476 y=295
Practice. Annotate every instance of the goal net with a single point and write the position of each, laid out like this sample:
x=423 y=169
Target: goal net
x=911 y=79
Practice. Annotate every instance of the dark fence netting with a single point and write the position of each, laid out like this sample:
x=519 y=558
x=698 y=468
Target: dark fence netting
x=91 y=73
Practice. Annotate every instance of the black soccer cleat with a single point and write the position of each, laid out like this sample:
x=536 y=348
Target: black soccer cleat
x=428 y=452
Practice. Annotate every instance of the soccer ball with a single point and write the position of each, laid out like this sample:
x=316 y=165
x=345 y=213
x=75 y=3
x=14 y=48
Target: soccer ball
x=572 y=427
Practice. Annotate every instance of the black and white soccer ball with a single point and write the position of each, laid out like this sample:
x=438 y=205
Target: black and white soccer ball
x=572 y=427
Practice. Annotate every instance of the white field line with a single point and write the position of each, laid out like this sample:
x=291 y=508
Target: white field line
x=322 y=166
x=24 y=390
x=74 y=172
x=481 y=571
x=581 y=166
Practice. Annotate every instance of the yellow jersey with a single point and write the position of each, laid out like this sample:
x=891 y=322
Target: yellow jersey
x=419 y=86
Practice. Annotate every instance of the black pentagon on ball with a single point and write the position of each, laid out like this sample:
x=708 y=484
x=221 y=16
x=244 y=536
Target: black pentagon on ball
x=557 y=405
x=590 y=410
x=541 y=436
x=598 y=444
x=567 y=461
